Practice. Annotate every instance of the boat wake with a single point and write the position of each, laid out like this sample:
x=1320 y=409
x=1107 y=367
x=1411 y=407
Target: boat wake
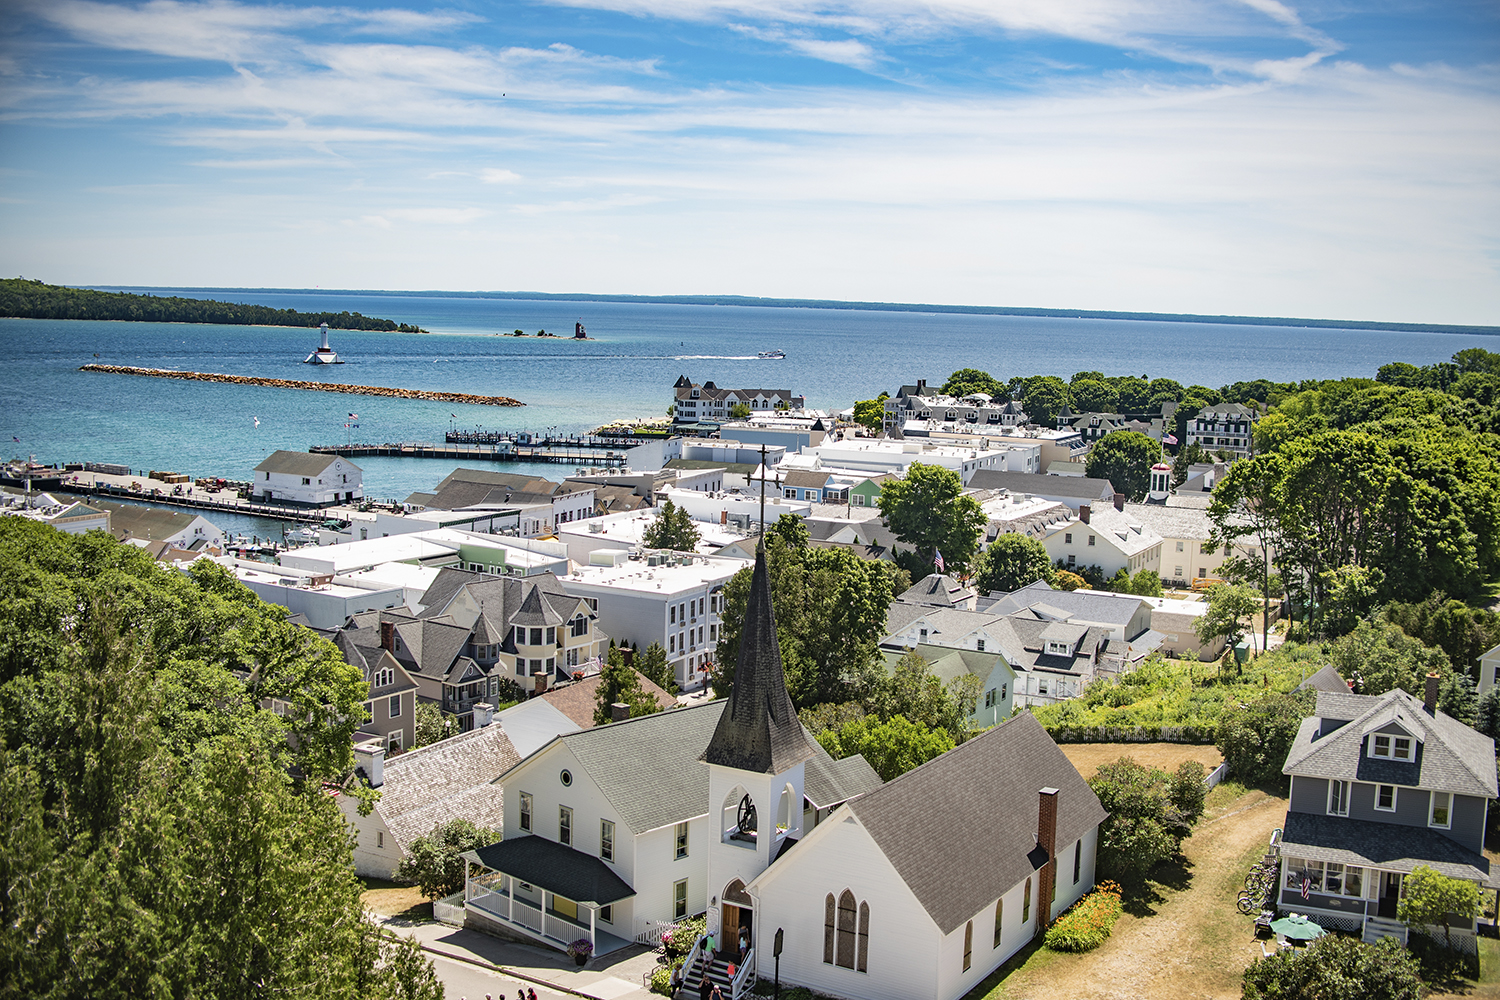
x=715 y=357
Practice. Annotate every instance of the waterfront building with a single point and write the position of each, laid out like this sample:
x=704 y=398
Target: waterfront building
x=307 y=479
x=708 y=403
x=1226 y=427
x=978 y=410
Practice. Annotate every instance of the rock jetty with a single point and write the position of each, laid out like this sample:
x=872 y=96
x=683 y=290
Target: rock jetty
x=287 y=383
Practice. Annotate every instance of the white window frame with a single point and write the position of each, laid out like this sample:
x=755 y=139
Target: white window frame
x=1375 y=748
x=526 y=812
x=607 y=839
x=1432 y=807
x=680 y=841
x=1395 y=796
x=1338 y=798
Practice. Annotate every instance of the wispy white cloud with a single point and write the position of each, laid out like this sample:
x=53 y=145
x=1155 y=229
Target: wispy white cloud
x=495 y=175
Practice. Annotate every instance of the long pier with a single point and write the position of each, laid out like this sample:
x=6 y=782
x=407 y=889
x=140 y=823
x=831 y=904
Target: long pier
x=473 y=452
x=527 y=438
x=110 y=491
x=287 y=383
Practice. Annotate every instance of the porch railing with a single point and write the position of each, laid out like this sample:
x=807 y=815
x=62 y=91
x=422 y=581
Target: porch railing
x=744 y=976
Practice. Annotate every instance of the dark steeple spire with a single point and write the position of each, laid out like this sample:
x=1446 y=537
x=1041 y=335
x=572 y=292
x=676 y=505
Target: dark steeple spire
x=759 y=730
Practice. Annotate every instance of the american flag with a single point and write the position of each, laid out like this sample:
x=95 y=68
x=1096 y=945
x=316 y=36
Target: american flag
x=938 y=562
x=354 y=416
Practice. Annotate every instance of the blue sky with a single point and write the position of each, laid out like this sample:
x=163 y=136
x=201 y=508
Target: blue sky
x=1331 y=159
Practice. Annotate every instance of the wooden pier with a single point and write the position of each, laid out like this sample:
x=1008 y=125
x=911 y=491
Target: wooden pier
x=588 y=458
x=110 y=492
x=533 y=440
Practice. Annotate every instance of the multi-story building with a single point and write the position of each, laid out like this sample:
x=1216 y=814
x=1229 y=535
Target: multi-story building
x=1105 y=536
x=694 y=403
x=1380 y=785
x=674 y=599
x=977 y=411
x=1226 y=427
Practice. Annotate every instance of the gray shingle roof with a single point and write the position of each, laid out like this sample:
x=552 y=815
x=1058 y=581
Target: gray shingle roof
x=1037 y=484
x=649 y=769
x=298 y=463
x=446 y=780
x=1326 y=679
x=535 y=612
x=1451 y=757
x=961 y=829
x=1391 y=846
x=938 y=589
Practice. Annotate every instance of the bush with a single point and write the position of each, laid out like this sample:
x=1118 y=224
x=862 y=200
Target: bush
x=661 y=980
x=432 y=863
x=1087 y=923
x=1144 y=826
x=1335 y=966
x=1256 y=738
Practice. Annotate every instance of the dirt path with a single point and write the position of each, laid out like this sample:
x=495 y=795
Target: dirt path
x=1196 y=944
x=1087 y=757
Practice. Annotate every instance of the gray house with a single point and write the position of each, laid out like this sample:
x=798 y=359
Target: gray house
x=1380 y=785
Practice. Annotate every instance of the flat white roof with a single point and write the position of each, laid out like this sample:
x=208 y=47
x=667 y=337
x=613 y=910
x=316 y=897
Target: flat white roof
x=636 y=575
x=627 y=527
x=277 y=576
x=1170 y=605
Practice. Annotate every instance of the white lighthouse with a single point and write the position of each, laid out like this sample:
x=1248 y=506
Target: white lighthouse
x=323 y=355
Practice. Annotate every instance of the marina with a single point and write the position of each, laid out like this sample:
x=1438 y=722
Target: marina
x=504 y=452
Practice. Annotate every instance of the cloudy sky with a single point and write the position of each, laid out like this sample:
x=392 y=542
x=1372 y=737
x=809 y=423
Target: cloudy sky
x=1337 y=158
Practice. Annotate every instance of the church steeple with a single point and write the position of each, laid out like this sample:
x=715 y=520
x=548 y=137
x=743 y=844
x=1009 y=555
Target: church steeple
x=759 y=730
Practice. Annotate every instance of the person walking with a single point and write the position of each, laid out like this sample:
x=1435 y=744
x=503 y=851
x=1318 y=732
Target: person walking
x=706 y=988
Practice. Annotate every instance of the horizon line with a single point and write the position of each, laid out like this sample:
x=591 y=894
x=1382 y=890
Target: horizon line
x=854 y=305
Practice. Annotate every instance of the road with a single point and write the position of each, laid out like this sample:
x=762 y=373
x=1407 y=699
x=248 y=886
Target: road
x=462 y=980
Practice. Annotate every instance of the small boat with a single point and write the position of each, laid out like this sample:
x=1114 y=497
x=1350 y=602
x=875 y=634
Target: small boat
x=771 y=355
x=324 y=355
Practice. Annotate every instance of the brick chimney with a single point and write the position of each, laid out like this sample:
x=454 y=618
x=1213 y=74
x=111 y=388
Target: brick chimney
x=619 y=712
x=388 y=636
x=370 y=755
x=1084 y=511
x=1046 y=838
x=1430 y=701
x=1120 y=502
x=484 y=714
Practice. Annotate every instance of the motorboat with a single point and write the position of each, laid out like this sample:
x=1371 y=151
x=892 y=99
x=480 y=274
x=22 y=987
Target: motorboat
x=323 y=355
x=771 y=355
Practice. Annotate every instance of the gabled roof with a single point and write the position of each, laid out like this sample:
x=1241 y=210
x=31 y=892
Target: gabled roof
x=960 y=830
x=299 y=463
x=1037 y=484
x=535 y=612
x=648 y=767
x=1326 y=679
x=759 y=730
x=1389 y=846
x=450 y=779
x=1451 y=757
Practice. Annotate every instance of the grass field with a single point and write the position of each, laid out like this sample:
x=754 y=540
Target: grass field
x=389 y=899
x=1168 y=756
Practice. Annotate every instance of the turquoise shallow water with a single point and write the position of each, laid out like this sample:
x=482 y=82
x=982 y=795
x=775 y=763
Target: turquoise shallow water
x=834 y=357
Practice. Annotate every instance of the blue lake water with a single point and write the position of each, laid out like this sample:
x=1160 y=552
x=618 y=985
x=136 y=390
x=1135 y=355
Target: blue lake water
x=833 y=357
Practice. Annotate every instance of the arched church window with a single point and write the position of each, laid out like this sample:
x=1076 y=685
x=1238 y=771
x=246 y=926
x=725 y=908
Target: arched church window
x=829 y=910
x=864 y=936
x=848 y=913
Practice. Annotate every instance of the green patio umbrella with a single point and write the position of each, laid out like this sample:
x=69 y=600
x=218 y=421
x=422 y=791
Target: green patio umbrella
x=1297 y=928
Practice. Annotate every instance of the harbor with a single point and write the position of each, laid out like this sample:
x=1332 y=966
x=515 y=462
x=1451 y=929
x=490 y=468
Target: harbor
x=583 y=456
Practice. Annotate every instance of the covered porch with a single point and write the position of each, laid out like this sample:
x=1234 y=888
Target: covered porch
x=549 y=893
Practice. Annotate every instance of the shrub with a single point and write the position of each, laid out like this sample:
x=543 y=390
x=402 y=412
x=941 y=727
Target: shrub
x=1256 y=738
x=1335 y=966
x=432 y=862
x=1087 y=922
x=661 y=980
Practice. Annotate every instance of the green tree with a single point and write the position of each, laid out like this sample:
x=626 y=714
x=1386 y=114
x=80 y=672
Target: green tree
x=1090 y=396
x=967 y=381
x=432 y=863
x=891 y=746
x=1463 y=632
x=739 y=411
x=1487 y=714
x=673 y=529
x=1227 y=607
x=1144 y=827
x=1064 y=580
x=1256 y=738
x=928 y=510
x=912 y=691
x=1125 y=459
x=1243 y=510
x=1011 y=562
x=1431 y=899
x=1146 y=583
x=653 y=665
x=791 y=530
x=870 y=413
x=1336 y=966
x=621 y=684
x=1043 y=398
x=1379 y=657
x=432 y=724
x=1187 y=456
x=830 y=608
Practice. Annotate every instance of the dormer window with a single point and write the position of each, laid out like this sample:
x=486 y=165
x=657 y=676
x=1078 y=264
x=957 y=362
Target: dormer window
x=1389 y=747
x=1059 y=648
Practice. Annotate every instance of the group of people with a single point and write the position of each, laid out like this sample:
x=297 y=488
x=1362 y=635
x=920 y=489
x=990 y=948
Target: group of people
x=522 y=993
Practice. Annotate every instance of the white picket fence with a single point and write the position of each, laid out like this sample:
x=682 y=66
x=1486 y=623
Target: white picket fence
x=1217 y=775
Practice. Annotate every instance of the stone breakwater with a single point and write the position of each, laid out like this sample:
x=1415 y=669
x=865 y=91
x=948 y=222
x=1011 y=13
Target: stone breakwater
x=286 y=383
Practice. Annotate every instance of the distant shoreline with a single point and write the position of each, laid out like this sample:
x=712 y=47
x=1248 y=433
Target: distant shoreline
x=837 y=304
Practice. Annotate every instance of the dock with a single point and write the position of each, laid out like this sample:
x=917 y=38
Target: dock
x=582 y=457
x=97 y=485
x=534 y=440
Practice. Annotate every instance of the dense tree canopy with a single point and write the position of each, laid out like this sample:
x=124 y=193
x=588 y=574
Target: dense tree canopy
x=870 y=413
x=1150 y=812
x=160 y=834
x=36 y=300
x=1336 y=966
x=967 y=381
x=1011 y=562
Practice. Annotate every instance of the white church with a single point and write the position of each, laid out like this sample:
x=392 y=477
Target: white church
x=913 y=889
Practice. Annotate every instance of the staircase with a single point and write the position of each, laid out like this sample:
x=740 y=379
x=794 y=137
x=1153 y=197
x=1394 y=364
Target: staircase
x=718 y=973
x=1379 y=927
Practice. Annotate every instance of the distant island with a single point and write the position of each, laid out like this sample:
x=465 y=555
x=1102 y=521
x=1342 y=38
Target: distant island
x=23 y=299
x=1052 y=313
